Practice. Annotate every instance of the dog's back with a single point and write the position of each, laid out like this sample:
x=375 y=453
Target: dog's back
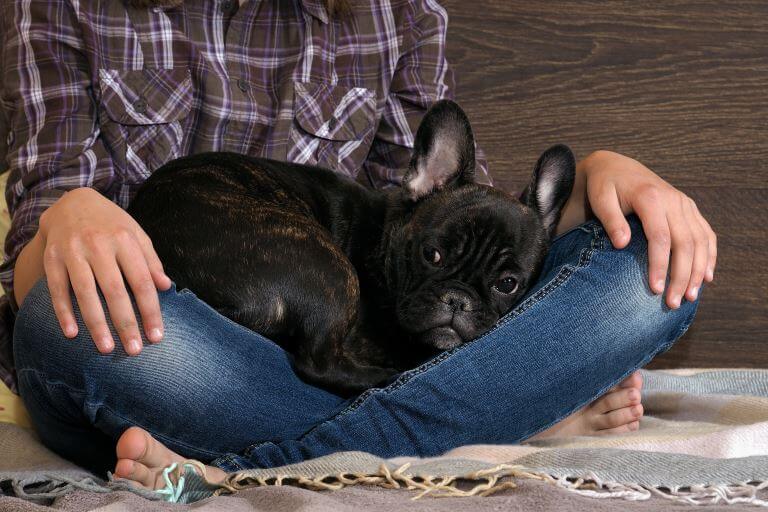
x=262 y=243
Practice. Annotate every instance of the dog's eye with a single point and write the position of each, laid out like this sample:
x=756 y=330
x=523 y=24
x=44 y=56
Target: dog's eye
x=506 y=286
x=433 y=256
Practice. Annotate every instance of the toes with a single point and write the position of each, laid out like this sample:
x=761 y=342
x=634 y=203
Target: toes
x=633 y=381
x=616 y=430
x=142 y=458
x=132 y=444
x=618 y=399
x=124 y=468
x=623 y=429
x=137 y=444
x=136 y=471
x=618 y=417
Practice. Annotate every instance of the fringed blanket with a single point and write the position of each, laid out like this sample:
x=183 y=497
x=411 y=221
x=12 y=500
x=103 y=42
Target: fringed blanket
x=704 y=440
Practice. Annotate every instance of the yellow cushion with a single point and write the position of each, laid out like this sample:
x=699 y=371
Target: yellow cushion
x=5 y=219
x=11 y=407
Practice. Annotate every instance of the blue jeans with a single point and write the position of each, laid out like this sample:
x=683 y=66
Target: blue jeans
x=216 y=391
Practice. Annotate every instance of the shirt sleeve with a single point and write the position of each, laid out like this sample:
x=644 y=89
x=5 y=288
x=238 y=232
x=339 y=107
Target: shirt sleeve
x=53 y=139
x=422 y=77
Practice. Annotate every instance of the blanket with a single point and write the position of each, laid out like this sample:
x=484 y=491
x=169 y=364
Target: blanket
x=704 y=440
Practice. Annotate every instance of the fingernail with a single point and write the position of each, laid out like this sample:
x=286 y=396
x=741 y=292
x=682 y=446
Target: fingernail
x=675 y=301
x=710 y=274
x=634 y=394
x=156 y=334
x=659 y=286
x=134 y=345
x=618 y=235
x=107 y=344
x=694 y=292
x=70 y=331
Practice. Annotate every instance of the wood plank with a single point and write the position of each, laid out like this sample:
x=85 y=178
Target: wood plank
x=680 y=85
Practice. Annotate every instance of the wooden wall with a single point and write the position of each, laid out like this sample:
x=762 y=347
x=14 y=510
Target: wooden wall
x=681 y=86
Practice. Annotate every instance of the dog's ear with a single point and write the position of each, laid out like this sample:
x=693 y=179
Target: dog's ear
x=551 y=185
x=443 y=152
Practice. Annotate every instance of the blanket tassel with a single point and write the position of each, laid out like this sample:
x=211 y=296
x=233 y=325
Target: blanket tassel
x=499 y=478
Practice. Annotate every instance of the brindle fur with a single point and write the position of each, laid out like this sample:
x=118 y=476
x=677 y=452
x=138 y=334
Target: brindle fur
x=270 y=246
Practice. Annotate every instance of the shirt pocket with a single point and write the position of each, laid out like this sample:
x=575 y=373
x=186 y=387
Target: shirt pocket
x=141 y=115
x=332 y=126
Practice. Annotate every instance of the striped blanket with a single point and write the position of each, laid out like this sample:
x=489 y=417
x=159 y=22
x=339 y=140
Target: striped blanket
x=704 y=440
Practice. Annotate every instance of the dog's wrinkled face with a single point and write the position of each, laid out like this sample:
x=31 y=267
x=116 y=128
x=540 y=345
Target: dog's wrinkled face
x=466 y=253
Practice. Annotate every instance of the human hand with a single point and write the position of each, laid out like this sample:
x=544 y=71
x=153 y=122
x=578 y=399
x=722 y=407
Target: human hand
x=88 y=239
x=617 y=186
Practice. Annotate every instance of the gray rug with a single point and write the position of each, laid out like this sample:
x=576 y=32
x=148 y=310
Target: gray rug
x=704 y=441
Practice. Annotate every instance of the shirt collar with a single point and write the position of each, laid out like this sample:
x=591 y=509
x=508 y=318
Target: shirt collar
x=316 y=8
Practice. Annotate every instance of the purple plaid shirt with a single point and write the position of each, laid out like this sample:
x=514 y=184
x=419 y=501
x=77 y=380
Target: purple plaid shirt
x=97 y=94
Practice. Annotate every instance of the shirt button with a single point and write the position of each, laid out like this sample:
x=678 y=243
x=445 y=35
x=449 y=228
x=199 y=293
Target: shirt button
x=140 y=105
x=243 y=84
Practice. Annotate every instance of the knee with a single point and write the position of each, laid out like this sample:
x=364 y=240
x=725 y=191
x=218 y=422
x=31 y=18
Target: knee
x=41 y=348
x=39 y=342
x=42 y=353
x=638 y=312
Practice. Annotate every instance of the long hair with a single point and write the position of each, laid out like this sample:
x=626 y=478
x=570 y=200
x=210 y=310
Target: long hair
x=334 y=7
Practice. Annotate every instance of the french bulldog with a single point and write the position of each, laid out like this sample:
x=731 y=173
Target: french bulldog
x=356 y=284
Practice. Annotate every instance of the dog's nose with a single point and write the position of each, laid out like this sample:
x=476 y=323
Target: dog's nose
x=456 y=300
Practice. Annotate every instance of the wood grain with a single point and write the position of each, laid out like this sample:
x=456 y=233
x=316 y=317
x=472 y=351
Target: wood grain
x=681 y=86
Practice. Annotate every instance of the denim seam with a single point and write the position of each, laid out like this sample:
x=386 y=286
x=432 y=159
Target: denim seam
x=586 y=226
x=36 y=397
x=585 y=257
x=687 y=324
x=54 y=384
x=229 y=462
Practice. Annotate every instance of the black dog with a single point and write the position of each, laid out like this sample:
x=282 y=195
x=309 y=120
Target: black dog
x=357 y=284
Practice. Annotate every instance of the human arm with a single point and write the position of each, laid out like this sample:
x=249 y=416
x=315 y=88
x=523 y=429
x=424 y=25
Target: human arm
x=610 y=186
x=60 y=166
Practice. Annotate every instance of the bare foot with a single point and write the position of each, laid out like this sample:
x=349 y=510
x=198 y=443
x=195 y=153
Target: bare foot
x=618 y=411
x=142 y=458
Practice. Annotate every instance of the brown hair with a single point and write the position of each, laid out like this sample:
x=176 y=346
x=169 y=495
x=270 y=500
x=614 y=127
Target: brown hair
x=334 y=7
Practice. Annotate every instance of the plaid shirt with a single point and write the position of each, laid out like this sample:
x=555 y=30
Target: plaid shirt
x=98 y=94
